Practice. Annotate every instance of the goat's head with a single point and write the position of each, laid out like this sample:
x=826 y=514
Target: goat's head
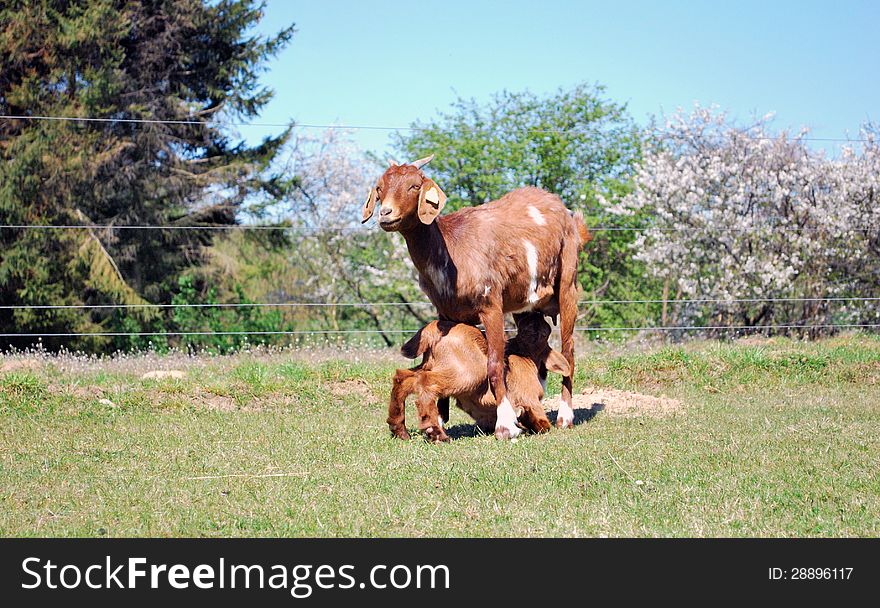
x=406 y=197
x=532 y=340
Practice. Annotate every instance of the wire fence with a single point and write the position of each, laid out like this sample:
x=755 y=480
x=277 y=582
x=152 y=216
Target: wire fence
x=415 y=329
x=354 y=127
x=783 y=226
x=419 y=303
x=780 y=224
x=401 y=304
x=393 y=331
x=228 y=227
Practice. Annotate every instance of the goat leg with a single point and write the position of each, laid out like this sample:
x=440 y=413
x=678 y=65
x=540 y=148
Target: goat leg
x=505 y=423
x=443 y=409
x=429 y=422
x=568 y=295
x=401 y=389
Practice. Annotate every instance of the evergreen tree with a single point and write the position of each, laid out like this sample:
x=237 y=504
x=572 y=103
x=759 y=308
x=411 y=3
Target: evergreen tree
x=193 y=61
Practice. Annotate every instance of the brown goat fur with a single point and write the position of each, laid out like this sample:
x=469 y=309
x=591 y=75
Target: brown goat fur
x=454 y=363
x=516 y=254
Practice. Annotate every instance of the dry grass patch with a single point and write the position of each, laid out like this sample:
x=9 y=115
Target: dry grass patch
x=86 y=392
x=164 y=373
x=214 y=402
x=19 y=365
x=347 y=388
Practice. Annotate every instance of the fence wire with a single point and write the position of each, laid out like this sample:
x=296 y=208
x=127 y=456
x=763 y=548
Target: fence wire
x=227 y=227
x=415 y=329
x=420 y=303
x=257 y=227
x=293 y=124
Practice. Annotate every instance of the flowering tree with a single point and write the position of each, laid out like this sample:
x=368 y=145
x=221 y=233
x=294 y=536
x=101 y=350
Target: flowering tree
x=335 y=260
x=739 y=214
x=857 y=220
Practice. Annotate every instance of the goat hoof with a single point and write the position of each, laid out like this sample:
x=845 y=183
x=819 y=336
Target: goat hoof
x=435 y=434
x=563 y=423
x=506 y=426
x=502 y=432
x=398 y=430
x=565 y=416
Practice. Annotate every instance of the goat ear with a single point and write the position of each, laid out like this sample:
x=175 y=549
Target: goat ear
x=370 y=205
x=556 y=363
x=431 y=201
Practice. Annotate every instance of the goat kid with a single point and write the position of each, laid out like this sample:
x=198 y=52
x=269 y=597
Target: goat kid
x=454 y=363
x=516 y=254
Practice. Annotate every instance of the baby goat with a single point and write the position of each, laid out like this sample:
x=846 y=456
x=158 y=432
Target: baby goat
x=516 y=254
x=454 y=365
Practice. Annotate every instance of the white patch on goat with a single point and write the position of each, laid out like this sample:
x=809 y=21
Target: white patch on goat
x=532 y=261
x=507 y=418
x=565 y=415
x=440 y=420
x=487 y=290
x=439 y=280
x=537 y=216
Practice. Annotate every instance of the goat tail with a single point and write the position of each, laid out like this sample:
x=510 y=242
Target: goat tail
x=584 y=234
x=423 y=341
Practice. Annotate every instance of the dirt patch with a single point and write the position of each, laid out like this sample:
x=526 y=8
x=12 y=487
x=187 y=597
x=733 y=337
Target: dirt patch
x=612 y=402
x=76 y=391
x=218 y=403
x=347 y=388
x=210 y=401
x=19 y=365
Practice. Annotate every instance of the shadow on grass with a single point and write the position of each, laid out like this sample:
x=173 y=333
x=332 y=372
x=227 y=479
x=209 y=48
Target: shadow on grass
x=581 y=416
x=464 y=431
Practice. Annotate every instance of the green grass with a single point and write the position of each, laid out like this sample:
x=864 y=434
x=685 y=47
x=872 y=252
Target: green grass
x=778 y=438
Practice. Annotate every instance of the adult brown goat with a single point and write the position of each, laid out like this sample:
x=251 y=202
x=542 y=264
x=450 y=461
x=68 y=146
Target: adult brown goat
x=516 y=254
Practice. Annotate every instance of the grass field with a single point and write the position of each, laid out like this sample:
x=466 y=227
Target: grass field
x=773 y=438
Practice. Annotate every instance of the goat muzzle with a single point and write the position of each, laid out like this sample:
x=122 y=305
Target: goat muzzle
x=389 y=224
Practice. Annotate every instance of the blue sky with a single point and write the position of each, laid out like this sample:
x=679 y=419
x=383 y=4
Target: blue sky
x=389 y=63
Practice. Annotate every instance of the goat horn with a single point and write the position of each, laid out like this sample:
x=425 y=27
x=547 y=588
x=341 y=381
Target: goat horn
x=422 y=162
x=392 y=162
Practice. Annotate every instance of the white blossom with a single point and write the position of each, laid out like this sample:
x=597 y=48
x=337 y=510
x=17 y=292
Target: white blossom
x=739 y=213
